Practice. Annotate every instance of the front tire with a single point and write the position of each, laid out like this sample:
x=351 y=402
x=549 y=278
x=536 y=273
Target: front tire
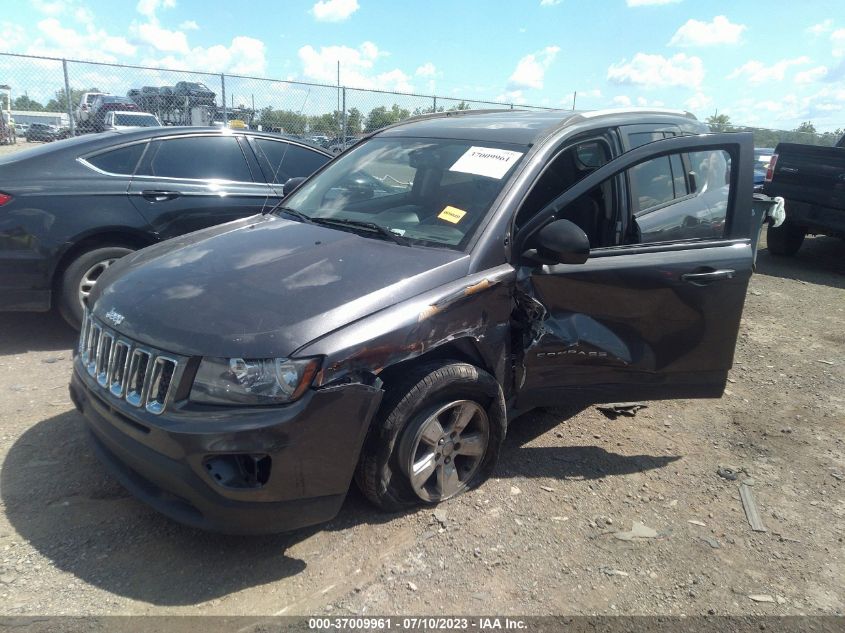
x=784 y=240
x=438 y=433
x=80 y=277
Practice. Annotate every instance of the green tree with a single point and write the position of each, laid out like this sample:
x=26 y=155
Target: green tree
x=354 y=121
x=428 y=110
x=326 y=124
x=25 y=103
x=59 y=102
x=381 y=117
x=719 y=122
x=286 y=121
x=463 y=105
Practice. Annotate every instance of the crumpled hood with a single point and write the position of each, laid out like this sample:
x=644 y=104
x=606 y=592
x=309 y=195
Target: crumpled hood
x=263 y=286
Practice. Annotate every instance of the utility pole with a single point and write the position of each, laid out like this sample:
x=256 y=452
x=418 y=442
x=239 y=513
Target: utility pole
x=574 y=95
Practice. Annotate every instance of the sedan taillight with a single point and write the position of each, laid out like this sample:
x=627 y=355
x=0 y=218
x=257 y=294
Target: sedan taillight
x=4 y=198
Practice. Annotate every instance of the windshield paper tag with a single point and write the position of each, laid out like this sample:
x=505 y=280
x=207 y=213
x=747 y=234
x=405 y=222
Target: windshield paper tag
x=452 y=214
x=486 y=161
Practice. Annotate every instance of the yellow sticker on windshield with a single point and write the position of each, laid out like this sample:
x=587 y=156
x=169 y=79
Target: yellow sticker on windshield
x=452 y=214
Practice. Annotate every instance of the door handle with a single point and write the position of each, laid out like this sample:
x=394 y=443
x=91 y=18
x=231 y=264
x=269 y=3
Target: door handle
x=699 y=279
x=789 y=170
x=159 y=196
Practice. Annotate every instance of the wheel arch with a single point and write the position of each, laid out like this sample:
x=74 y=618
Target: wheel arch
x=111 y=236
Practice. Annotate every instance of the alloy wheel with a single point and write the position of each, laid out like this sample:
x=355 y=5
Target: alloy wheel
x=447 y=450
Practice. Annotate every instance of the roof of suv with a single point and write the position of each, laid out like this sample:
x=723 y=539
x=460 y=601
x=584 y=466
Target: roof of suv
x=522 y=127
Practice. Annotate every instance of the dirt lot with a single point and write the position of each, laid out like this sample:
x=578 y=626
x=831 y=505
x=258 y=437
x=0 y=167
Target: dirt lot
x=537 y=539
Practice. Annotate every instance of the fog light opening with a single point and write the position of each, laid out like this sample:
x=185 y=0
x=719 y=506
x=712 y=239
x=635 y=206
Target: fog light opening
x=239 y=471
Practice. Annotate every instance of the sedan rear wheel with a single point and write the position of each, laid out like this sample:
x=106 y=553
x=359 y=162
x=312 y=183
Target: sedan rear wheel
x=81 y=276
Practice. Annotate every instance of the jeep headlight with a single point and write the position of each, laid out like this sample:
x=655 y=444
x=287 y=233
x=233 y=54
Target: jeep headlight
x=252 y=381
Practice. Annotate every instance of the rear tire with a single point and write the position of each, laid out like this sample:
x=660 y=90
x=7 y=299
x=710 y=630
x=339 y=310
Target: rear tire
x=395 y=448
x=784 y=240
x=80 y=277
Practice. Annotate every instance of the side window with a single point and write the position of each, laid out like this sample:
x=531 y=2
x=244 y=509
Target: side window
x=672 y=203
x=119 y=161
x=283 y=161
x=197 y=157
x=571 y=165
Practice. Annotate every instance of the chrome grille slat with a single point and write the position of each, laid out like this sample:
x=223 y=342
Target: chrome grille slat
x=104 y=357
x=139 y=374
x=144 y=377
x=118 y=368
x=93 y=347
x=160 y=381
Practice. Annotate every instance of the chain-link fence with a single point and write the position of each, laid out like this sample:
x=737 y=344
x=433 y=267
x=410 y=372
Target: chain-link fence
x=62 y=93
x=67 y=94
x=768 y=137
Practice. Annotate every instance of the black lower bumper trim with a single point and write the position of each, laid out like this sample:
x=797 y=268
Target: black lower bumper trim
x=173 y=488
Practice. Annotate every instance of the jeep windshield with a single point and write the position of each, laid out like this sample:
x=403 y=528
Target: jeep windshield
x=433 y=192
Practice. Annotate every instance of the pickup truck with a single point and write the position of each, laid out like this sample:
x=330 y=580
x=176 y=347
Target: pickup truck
x=403 y=306
x=811 y=179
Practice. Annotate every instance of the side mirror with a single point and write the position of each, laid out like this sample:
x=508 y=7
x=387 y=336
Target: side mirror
x=562 y=242
x=291 y=184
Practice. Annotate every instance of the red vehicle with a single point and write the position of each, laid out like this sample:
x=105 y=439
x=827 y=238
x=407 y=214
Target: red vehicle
x=105 y=103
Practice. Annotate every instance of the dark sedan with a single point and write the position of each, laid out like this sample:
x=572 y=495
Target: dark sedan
x=68 y=210
x=43 y=132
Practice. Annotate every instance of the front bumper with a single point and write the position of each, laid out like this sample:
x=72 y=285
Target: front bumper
x=313 y=446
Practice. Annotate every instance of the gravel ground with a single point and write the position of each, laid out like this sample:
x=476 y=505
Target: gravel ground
x=547 y=535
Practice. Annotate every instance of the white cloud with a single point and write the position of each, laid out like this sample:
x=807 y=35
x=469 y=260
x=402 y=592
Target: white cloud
x=820 y=28
x=334 y=10
x=549 y=3
x=510 y=96
x=697 y=33
x=56 y=40
x=12 y=35
x=649 y=3
x=811 y=76
x=426 y=70
x=244 y=56
x=699 y=102
x=149 y=7
x=622 y=100
x=531 y=69
x=48 y=7
x=357 y=67
x=83 y=15
x=756 y=72
x=837 y=38
x=163 y=39
x=653 y=71
x=189 y=25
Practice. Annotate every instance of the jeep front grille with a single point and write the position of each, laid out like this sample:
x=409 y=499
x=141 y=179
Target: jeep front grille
x=141 y=375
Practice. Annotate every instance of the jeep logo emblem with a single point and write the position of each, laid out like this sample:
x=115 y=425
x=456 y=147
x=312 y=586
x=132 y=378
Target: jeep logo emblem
x=114 y=316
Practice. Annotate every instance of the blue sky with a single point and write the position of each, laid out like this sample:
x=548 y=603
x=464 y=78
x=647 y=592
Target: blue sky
x=772 y=64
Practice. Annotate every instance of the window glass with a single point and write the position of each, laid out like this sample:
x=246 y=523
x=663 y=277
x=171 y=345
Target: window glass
x=198 y=157
x=283 y=161
x=141 y=119
x=434 y=192
x=678 y=177
x=642 y=138
x=665 y=211
x=119 y=161
x=652 y=183
x=570 y=166
x=712 y=174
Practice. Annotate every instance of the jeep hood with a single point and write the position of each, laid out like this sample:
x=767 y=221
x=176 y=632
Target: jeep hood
x=262 y=287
